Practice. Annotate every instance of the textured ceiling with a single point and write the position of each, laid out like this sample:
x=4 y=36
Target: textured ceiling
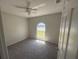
x=51 y=6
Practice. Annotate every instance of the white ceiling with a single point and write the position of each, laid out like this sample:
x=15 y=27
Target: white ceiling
x=51 y=6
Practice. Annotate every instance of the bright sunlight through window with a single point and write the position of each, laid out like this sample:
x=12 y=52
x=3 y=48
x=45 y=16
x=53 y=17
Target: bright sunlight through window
x=40 y=41
x=40 y=31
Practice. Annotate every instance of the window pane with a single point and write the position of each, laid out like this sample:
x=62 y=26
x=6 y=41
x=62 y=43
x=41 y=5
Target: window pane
x=41 y=31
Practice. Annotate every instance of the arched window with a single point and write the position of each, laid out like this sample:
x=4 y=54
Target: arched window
x=41 y=31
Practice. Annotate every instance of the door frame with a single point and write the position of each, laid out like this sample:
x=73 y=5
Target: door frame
x=65 y=26
x=3 y=47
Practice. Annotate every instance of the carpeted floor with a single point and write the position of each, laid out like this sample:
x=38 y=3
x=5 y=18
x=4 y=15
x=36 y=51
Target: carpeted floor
x=32 y=49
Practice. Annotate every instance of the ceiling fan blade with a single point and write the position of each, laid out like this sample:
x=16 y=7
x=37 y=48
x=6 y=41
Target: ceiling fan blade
x=33 y=12
x=29 y=12
x=20 y=7
x=33 y=9
x=39 y=6
x=28 y=4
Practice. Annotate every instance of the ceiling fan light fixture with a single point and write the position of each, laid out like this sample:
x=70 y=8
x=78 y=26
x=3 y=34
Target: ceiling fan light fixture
x=57 y=1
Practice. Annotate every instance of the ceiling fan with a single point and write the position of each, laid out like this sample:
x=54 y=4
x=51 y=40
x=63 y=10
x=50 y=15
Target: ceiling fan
x=29 y=9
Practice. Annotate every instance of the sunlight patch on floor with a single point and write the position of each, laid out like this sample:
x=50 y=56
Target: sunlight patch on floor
x=40 y=41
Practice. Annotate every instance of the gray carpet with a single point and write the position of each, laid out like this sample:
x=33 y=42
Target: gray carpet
x=31 y=49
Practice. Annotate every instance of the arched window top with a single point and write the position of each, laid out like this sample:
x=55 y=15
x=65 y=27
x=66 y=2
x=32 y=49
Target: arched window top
x=41 y=24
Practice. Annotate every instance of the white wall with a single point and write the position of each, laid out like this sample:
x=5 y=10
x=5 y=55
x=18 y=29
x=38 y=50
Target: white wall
x=52 y=26
x=15 y=28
